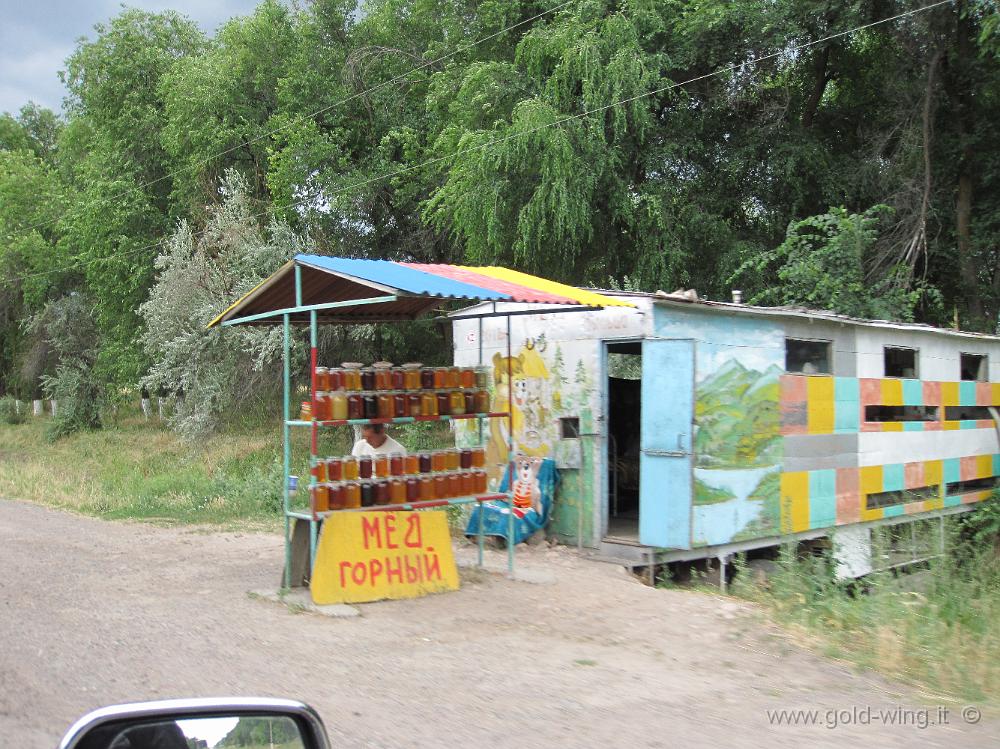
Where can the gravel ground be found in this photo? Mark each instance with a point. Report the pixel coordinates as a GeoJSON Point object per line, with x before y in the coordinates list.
{"type": "Point", "coordinates": [93, 613]}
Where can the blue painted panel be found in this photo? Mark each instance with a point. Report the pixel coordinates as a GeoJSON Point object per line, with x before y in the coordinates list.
{"type": "Point", "coordinates": [396, 276]}
{"type": "Point", "coordinates": [952, 501]}
{"type": "Point", "coordinates": [847, 405]}
{"type": "Point", "coordinates": [952, 470]}
{"type": "Point", "coordinates": [892, 511]}
{"type": "Point", "coordinates": [967, 393]}
{"type": "Point", "coordinates": [892, 477]}
{"type": "Point", "coordinates": [846, 390]}
{"type": "Point", "coordinates": [967, 425]}
{"type": "Point", "coordinates": [913, 393]}
{"type": "Point", "coordinates": [913, 426]}
{"type": "Point", "coordinates": [822, 498]}
{"type": "Point", "coordinates": [665, 468]}
{"type": "Point", "coordinates": [996, 464]}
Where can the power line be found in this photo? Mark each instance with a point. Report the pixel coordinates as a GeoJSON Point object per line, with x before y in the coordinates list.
{"type": "Point", "coordinates": [306, 117]}
{"type": "Point", "coordinates": [522, 133]}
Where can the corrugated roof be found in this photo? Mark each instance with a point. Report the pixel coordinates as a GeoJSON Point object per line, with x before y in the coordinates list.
{"type": "Point", "coordinates": [417, 288]}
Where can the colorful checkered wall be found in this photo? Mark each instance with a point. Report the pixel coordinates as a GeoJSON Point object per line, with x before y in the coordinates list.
{"type": "Point", "coordinates": [821, 499]}
{"type": "Point", "coordinates": [813, 404]}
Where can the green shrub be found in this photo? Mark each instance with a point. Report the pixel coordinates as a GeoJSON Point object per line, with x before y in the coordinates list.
{"type": "Point", "coordinates": [9, 412]}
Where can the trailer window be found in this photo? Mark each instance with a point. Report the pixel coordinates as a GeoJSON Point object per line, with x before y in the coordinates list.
{"type": "Point", "coordinates": [973, 485]}
{"type": "Point", "coordinates": [901, 413]}
{"type": "Point", "coordinates": [900, 362]}
{"type": "Point", "coordinates": [884, 499]}
{"type": "Point", "coordinates": [807, 357]}
{"type": "Point", "coordinates": [967, 413]}
{"type": "Point", "coordinates": [569, 427]}
{"type": "Point", "coordinates": [975, 367]}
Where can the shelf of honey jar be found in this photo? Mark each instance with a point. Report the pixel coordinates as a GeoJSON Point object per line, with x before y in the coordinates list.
{"type": "Point", "coordinates": [396, 465]}
{"type": "Point", "coordinates": [429, 405]}
{"type": "Point", "coordinates": [383, 376]}
{"type": "Point", "coordinates": [350, 495]}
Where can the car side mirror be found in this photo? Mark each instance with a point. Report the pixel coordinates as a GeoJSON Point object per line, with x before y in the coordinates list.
{"type": "Point", "coordinates": [227, 723]}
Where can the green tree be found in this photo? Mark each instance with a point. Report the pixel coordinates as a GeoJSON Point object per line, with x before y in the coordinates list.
{"type": "Point", "coordinates": [122, 182]}
{"type": "Point", "coordinates": [826, 262]}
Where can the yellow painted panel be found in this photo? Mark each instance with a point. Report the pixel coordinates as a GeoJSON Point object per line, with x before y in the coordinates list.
{"type": "Point", "coordinates": [870, 479]}
{"type": "Point", "coordinates": [984, 466]}
{"type": "Point", "coordinates": [951, 426]}
{"type": "Point", "coordinates": [949, 394]}
{"type": "Point", "coordinates": [996, 394]}
{"type": "Point", "coordinates": [892, 392]}
{"type": "Point", "coordinates": [933, 472]}
{"type": "Point", "coordinates": [877, 514]}
{"type": "Point", "coordinates": [819, 404]}
{"type": "Point", "coordinates": [892, 426]}
{"type": "Point", "coordinates": [794, 501]}
{"type": "Point", "coordinates": [368, 556]}
{"type": "Point", "coordinates": [550, 287]}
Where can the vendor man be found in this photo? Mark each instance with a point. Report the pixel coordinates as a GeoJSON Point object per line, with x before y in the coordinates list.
{"type": "Point", "coordinates": [374, 441]}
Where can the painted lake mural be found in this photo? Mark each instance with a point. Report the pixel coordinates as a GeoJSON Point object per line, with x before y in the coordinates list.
{"type": "Point", "coordinates": [738, 447]}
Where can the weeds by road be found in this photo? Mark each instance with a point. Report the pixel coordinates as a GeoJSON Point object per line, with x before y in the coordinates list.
{"type": "Point", "coordinates": [937, 628]}
{"type": "Point", "coordinates": [138, 469]}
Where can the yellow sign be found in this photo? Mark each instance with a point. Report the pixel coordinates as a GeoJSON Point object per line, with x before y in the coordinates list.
{"type": "Point", "coordinates": [368, 556]}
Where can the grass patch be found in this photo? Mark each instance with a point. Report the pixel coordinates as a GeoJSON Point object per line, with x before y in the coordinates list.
{"type": "Point", "coordinates": [937, 629]}
{"type": "Point", "coordinates": [138, 469]}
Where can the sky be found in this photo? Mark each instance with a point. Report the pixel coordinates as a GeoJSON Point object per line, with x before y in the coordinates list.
{"type": "Point", "coordinates": [36, 36]}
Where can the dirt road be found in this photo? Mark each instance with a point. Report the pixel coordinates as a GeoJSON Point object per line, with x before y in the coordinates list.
{"type": "Point", "coordinates": [93, 613]}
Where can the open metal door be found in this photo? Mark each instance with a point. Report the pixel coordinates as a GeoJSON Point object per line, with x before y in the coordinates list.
{"type": "Point", "coordinates": [665, 470]}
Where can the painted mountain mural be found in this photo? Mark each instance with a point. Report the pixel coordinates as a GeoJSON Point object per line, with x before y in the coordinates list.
{"type": "Point", "coordinates": [737, 418]}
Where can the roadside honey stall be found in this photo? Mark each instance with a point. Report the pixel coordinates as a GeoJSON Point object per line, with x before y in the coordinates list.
{"type": "Point", "coordinates": [311, 290]}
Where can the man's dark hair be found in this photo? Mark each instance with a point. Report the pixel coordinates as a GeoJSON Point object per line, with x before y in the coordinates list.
{"type": "Point", "coordinates": [377, 428]}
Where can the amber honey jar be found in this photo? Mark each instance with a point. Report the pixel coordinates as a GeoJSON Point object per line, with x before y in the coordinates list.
{"type": "Point", "coordinates": [412, 464]}
{"type": "Point", "coordinates": [352, 494]}
{"type": "Point", "coordinates": [428, 403]}
{"type": "Point", "coordinates": [351, 470]}
{"type": "Point", "coordinates": [320, 497]}
{"type": "Point", "coordinates": [322, 378]}
{"type": "Point", "coordinates": [482, 401]}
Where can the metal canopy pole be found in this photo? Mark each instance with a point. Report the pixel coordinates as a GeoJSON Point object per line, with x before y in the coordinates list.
{"type": "Point", "coordinates": [510, 456]}
{"type": "Point", "coordinates": [309, 308]}
{"type": "Point", "coordinates": [314, 519]}
{"type": "Point", "coordinates": [287, 378]}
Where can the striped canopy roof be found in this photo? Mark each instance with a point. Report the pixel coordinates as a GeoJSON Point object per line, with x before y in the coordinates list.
{"type": "Point", "coordinates": [352, 290]}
